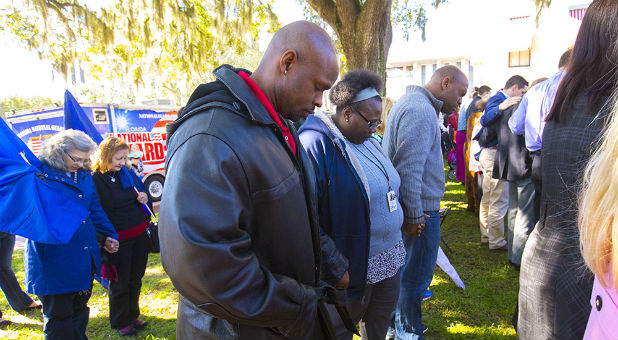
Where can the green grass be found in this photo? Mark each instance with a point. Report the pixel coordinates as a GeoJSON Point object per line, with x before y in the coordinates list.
{"type": "Point", "coordinates": [158, 303]}
{"type": "Point", "coordinates": [482, 311]}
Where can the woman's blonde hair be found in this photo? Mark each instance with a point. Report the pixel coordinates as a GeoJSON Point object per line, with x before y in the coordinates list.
{"type": "Point", "coordinates": [387, 105]}
{"type": "Point", "coordinates": [107, 149]}
{"type": "Point", "coordinates": [598, 205]}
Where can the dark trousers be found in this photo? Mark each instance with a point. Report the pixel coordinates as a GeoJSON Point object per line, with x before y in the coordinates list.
{"type": "Point", "coordinates": [15, 296]}
{"type": "Point", "coordinates": [373, 312]}
{"type": "Point", "coordinates": [65, 316]}
{"type": "Point", "coordinates": [536, 181]}
{"type": "Point", "coordinates": [130, 262]}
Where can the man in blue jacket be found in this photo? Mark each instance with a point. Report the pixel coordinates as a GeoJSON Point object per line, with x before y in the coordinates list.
{"type": "Point", "coordinates": [494, 202]}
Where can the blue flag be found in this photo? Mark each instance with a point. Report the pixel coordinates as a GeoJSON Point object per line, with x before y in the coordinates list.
{"type": "Point", "coordinates": [75, 118]}
{"type": "Point", "coordinates": [29, 206]}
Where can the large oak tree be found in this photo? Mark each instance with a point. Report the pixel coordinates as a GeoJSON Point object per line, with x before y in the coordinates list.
{"type": "Point", "coordinates": [364, 28]}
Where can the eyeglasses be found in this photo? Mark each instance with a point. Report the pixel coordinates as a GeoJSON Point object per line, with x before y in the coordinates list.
{"type": "Point", "coordinates": [371, 124]}
{"type": "Point", "coordinates": [79, 160]}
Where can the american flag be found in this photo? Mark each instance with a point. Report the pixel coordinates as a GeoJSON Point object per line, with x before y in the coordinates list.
{"type": "Point", "coordinates": [577, 13]}
{"type": "Point", "coordinates": [154, 136]}
{"type": "Point", "coordinates": [36, 144]}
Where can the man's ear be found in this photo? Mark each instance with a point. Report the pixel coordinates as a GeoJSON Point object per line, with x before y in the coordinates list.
{"type": "Point", "coordinates": [347, 112]}
{"type": "Point", "coordinates": [288, 59]}
{"type": "Point", "coordinates": [446, 82]}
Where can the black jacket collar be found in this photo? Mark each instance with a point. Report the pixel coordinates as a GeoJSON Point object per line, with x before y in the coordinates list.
{"type": "Point", "coordinates": [239, 89]}
{"type": "Point", "coordinates": [229, 91]}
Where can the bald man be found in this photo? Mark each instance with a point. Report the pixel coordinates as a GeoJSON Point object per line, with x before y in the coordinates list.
{"type": "Point", "coordinates": [412, 141]}
{"type": "Point", "coordinates": [238, 221]}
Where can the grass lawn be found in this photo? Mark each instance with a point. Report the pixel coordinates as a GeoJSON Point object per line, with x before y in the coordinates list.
{"type": "Point", "coordinates": [482, 311]}
{"type": "Point", "coordinates": [158, 303]}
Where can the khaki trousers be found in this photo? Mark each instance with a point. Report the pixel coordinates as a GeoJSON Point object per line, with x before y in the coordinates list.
{"type": "Point", "coordinates": [494, 203]}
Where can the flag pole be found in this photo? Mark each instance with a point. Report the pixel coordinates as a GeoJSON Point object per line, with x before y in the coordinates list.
{"type": "Point", "coordinates": [146, 205]}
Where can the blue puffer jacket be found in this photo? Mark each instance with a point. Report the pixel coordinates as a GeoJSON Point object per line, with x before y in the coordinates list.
{"type": "Point", "coordinates": [64, 268]}
{"type": "Point", "coordinates": [343, 204]}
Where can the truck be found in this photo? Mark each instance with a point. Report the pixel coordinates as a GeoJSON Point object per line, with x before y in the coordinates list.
{"type": "Point", "coordinates": [141, 125]}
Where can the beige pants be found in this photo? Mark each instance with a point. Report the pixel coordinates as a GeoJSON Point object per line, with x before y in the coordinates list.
{"type": "Point", "coordinates": [494, 204]}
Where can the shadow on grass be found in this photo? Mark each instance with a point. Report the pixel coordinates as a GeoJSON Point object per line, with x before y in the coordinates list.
{"type": "Point", "coordinates": [22, 326]}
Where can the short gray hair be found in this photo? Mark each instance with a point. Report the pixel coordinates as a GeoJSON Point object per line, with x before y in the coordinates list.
{"type": "Point", "coordinates": [64, 142]}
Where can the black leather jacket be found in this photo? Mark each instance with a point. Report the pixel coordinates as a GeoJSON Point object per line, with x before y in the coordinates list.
{"type": "Point", "coordinates": [238, 222]}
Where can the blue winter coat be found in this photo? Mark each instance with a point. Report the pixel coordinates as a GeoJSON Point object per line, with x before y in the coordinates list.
{"type": "Point", "coordinates": [64, 268]}
{"type": "Point", "coordinates": [343, 205]}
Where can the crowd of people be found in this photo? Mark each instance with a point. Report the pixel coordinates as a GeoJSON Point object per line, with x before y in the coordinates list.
{"type": "Point", "coordinates": [334, 230]}
{"type": "Point", "coordinates": [540, 159]}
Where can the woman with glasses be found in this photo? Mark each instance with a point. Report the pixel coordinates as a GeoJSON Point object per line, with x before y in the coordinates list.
{"type": "Point", "coordinates": [358, 204]}
{"type": "Point", "coordinates": [122, 195]}
{"type": "Point", "coordinates": [61, 274]}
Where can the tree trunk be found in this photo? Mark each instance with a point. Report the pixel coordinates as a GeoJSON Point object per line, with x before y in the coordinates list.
{"type": "Point", "coordinates": [365, 31]}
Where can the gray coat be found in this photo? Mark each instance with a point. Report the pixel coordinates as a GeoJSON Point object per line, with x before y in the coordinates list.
{"type": "Point", "coordinates": [238, 222]}
{"type": "Point", "coordinates": [555, 284]}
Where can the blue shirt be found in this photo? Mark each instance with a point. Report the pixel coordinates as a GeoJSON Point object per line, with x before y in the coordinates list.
{"type": "Point", "coordinates": [463, 117]}
{"type": "Point", "coordinates": [529, 118]}
{"type": "Point", "coordinates": [492, 112]}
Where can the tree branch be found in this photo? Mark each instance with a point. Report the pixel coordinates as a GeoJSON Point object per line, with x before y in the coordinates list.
{"type": "Point", "coordinates": [326, 9]}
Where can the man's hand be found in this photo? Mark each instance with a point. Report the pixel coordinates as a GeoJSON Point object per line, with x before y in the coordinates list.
{"type": "Point", "coordinates": [344, 282]}
{"type": "Point", "coordinates": [508, 103]}
{"type": "Point", "coordinates": [142, 198]}
{"type": "Point", "coordinates": [111, 245]}
{"type": "Point", "coordinates": [414, 229]}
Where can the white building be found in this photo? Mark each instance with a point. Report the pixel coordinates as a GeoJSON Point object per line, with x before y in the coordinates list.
{"type": "Point", "coordinates": [489, 40]}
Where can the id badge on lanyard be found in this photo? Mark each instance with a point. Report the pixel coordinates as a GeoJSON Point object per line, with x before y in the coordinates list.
{"type": "Point", "coordinates": [391, 197]}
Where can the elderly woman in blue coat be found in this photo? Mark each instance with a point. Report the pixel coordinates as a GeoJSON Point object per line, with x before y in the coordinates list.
{"type": "Point", "coordinates": [358, 205]}
{"type": "Point", "coordinates": [61, 274]}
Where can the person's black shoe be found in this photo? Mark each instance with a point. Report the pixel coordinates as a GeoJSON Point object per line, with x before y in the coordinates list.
{"type": "Point", "coordinates": [139, 324]}
{"type": "Point", "coordinates": [127, 331]}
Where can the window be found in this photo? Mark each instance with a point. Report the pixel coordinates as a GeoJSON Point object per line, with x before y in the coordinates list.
{"type": "Point", "coordinates": [470, 76]}
{"type": "Point", "coordinates": [519, 58]}
{"type": "Point", "coordinates": [423, 74]}
{"type": "Point", "coordinates": [100, 116]}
